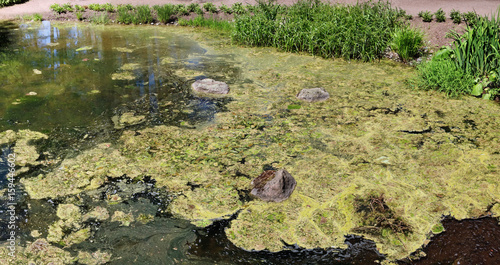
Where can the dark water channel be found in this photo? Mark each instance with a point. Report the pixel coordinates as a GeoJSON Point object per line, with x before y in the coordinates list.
{"type": "Point", "coordinates": [69, 81]}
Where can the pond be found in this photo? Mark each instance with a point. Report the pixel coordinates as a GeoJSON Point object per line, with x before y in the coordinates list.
{"type": "Point", "coordinates": [118, 161]}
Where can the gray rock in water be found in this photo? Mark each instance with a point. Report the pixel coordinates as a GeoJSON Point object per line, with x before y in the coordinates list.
{"type": "Point", "coordinates": [313, 94]}
{"type": "Point", "coordinates": [273, 186]}
{"type": "Point", "coordinates": [210, 86]}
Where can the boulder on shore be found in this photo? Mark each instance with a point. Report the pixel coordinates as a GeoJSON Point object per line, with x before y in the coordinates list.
{"type": "Point", "coordinates": [313, 94]}
{"type": "Point", "coordinates": [273, 186]}
{"type": "Point", "coordinates": [210, 86]}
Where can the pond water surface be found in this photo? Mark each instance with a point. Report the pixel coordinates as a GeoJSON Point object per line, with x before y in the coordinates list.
{"type": "Point", "coordinates": [133, 168]}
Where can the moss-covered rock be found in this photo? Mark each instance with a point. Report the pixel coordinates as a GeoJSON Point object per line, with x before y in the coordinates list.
{"type": "Point", "coordinates": [38, 252]}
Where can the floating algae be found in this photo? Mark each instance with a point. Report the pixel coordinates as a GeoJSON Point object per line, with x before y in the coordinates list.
{"type": "Point", "coordinates": [375, 159]}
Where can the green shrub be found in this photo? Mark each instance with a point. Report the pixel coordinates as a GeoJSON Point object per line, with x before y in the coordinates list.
{"type": "Point", "coordinates": [440, 15]}
{"type": "Point", "coordinates": [407, 42]}
{"type": "Point", "coordinates": [238, 8]}
{"type": "Point", "coordinates": [10, 2]}
{"type": "Point", "coordinates": [210, 7]}
{"type": "Point", "coordinates": [470, 17]}
{"type": "Point", "coordinates": [100, 19]}
{"type": "Point", "coordinates": [181, 10]}
{"type": "Point", "coordinates": [108, 7]}
{"type": "Point", "coordinates": [57, 8]}
{"type": "Point", "coordinates": [37, 17]}
{"type": "Point", "coordinates": [361, 31]}
{"type": "Point", "coordinates": [96, 7]}
{"type": "Point", "coordinates": [194, 7]}
{"type": "Point", "coordinates": [225, 9]}
{"type": "Point", "coordinates": [456, 16]}
{"type": "Point", "coordinates": [251, 8]}
{"type": "Point", "coordinates": [79, 8]}
{"type": "Point", "coordinates": [165, 12]}
{"type": "Point", "coordinates": [426, 16]}
{"type": "Point", "coordinates": [68, 7]}
{"type": "Point", "coordinates": [213, 23]}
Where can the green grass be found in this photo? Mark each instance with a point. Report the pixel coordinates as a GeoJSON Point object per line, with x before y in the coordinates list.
{"type": "Point", "coordinates": [444, 76]}
{"type": "Point", "coordinates": [68, 7]}
{"type": "Point", "coordinates": [407, 42]}
{"type": "Point", "coordinates": [213, 23]}
{"type": "Point", "coordinates": [109, 8]}
{"type": "Point", "coordinates": [142, 15]}
{"type": "Point", "coordinates": [238, 8]}
{"type": "Point", "coordinates": [164, 12]}
{"type": "Point", "coordinates": [79, 15]}
{"type": "Point", "coordinates": [181, 10]}
{"type": "Point", "coordinates": [225, 9]}
{"type": "Point", "coordinates": [100, 19]}
{"type": "Point", "coordinates": [361, 31]}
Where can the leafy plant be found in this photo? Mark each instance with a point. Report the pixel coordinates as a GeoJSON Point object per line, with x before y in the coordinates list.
{"type": "Point", "coordinates": [10, 2]}
{"type": "Point", "coordinates": [210, 7]}
{"type": "Point", "coordinates": [440, 15]}
{"type": "Point", "coordinates": [68, 7]}
{"type": "Point", "coordinates": [426, 16]}
{"type": "Point", "coordinates": [37, 17]}
{"type": "Point", "coordinates": [407, 42]}
{"type": "Point", "coordinates": [456, 16]}
{"type": "Point", "coordinates": [181, 10]}
{"type": "Point", "coordinates": [470, 17]}
{"type": "Point", "coordinates": [225, 9]}
{"type": "Point", "coordinates": [79, 15]}
{"type": "Point", "coordinates": [79, 8]}
{"type": "Point", "coordinates": [165, 12]}
{"type": "Point", "coordinates": [194, 7]}
{"type": "Point", "coordinates": [57, 8]}
{"type": "Point", "coordinates": [108, 7]}
{"type": "Point", "coordinates": [96, 7]}
{"type": "Point", "coordinates": [238, 8]}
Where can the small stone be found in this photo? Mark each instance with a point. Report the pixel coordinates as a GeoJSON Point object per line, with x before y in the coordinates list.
{"type": "Point", "coordinates": [313, 94]}
{"type": "Point", "coordinates": [210, 86]}
{"type": "Point", "coordinates": [31, 93]}
{"type": "Point", "coordinates": [37, 72]}
{"type": "Point", "coordinates": [273, 186]}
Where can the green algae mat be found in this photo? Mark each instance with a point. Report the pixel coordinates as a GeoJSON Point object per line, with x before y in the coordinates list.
{"type": "Point", "coordinates": [376, 159]}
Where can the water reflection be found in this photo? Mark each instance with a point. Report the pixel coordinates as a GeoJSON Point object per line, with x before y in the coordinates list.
{"type": "Point", "coordinates": [81, 73]}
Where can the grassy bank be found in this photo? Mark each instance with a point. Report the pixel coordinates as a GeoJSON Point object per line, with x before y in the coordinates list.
{"type": "Point", "coordinates": [471, 66]}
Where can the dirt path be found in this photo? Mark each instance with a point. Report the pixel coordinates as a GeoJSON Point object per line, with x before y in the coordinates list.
{"type": "Point", "coordinates": [483, 7]}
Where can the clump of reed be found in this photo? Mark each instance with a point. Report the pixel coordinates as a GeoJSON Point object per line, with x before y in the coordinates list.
{"type": "Point", "coordinates": [362, 31]}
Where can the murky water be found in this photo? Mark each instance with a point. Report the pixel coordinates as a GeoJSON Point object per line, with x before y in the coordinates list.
{"type": "Point", "coordinates": [132, 160]}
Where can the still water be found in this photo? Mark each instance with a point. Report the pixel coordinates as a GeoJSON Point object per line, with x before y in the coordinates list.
{"type": "Point", "coordinates": [73, 81]}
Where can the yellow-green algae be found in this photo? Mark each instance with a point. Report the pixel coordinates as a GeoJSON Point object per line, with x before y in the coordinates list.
{"type": "Point", "coordinates": [38, 252]}
{"type": "Point", "coordinates": [427, 155]}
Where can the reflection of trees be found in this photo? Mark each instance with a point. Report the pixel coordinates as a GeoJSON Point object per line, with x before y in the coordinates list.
{"type": "Point", "coordinates": [6, 34]}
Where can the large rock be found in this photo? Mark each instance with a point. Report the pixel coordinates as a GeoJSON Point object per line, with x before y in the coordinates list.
{"type": "Point", "coordinates": [210, 86]}
{"type": "Point", "coordinates": [313, 94]}
{"type": "Point", "coordinates": [273, 186]}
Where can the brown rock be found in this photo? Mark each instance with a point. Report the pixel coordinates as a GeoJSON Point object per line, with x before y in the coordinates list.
{"type": "Point", "coordinates": [273, 186]}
